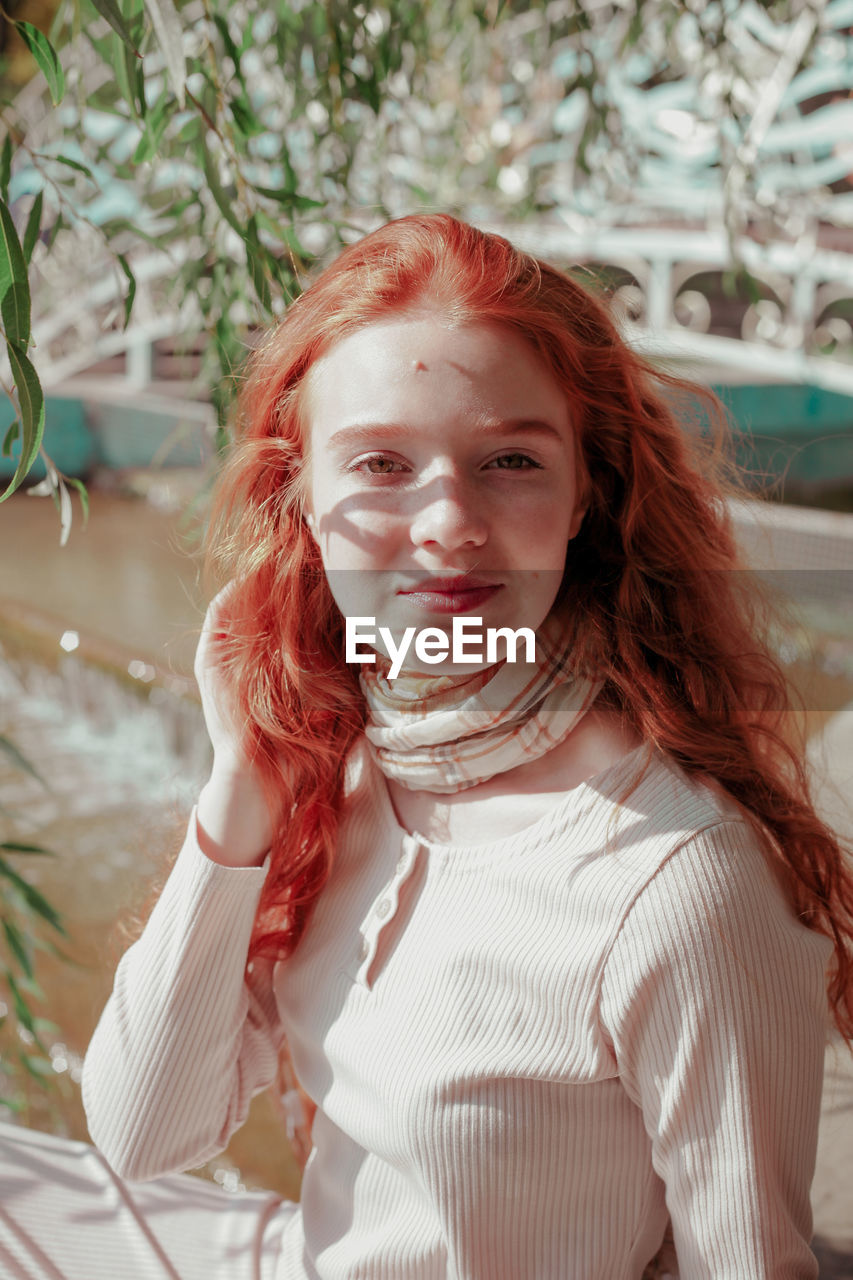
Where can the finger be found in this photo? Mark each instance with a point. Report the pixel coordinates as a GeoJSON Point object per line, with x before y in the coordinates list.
{"type": "Point", "coordinates": [217, 610]}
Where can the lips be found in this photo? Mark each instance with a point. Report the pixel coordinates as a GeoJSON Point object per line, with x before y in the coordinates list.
{"type": "Point", "coordinates": [461, 582]}
{"type": "Point", "coordinates": [451, 595]}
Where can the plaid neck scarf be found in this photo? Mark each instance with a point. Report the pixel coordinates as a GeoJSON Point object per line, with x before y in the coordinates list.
{"type": "Point", "coordinates": [448, 733]}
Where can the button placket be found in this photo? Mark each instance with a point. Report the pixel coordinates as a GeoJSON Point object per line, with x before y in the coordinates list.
{"type": "Point", "coordinates": [385, 908]}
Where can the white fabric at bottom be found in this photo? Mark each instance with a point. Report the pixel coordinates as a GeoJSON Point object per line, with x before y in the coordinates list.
{"type": "Point", "coordinates": [64, 1215]}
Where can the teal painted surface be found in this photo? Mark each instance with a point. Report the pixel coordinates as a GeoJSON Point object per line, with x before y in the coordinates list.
{"type": "Point", "coordinates": [800, 432]}
{"type": "Point", "coordinates": [67, 439]}
{"type": "Point", "coordinates": [132, 435]}
{"type": "Point", "coordinates": [117, 436]}
{"type": "Point", "coordinates": [787, 410]}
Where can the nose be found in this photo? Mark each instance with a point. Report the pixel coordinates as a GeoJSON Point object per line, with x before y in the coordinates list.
{"type": "Point", "coordinates": [449, 518]}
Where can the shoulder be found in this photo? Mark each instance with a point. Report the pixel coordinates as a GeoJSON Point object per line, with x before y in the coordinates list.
{"type": "Point", "coordinates": [699, 879]}
{"type": "Point", "coordinates": [717, 876]}
{"type": "Point", "coordinates": [703, 856]}
{"type": "Point", "coordinates": [652, 821]}
{"type": "Point", "coordinates": [711, 937]}
{"type": "Point", "coordinates": [696, 850]}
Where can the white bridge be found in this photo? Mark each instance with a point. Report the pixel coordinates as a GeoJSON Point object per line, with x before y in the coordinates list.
{"type": "Point", "coordinates": [664, 284]}
{"type": "Point", "coordinates": [718, 151]}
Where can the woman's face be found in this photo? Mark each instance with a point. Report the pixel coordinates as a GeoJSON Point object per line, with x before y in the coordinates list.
{"type": "Point", "coordinates": [441, 478]}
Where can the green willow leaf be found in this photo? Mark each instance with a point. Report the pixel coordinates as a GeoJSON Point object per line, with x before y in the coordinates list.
{"type": "Point", "coordinates": [32, 988]}
{"type": "Point", "coordinates": [18, 759]}
{"type": "Point", "coordinates": [5, 167]}
{"type": "Point", "coordinates": [49, 948]}
{"type": "Point", "coordinates": [14, 286]}
{"type": "Point", "coordinates": [128, 73]}
{"type": "Point", "coordinates": [15, 846]}
{"type": "Point", "coordinates": [84, 496]}
{"type": "Point", "coordinates": [131, 287]}
{"type": "Point", "coordinates": [115, 225]}
{"type": "Point", "coordinates": [62, 500]}
{"type": "Point", "coordinates": [170, 36]}
{"type": "Point", "coordinates": [223, 202]}
{"type": "Point", "coordinates": [33, 227]}
{"type": "Point", "coordinates": [295, 245]}
{"type": "Point", "coordinates": [46, 59]}
{"type": "Point", "coordinates": [291, 178]}
{"type": "Point", "coordinates": [35, 900]}
{"type": "Point", "coordinates": [134, 66]}
{"type": "Point", "coordinates": [59, 225]}
{"type": "Point", "coordinates": [17, 945]}
{"type": "Point", "coordinates": [190, 131]}
{"type": "Point", "coordinates": [44, 1026]}
{"type": "Point", "coordinates": [258, 265]}
{"type": "Point", "coordinates": [31, 402]}
{"type": "Point", "coordinates": [290, 199]}
{"type": "Point", "coordinates": [230, 47]}
{"type": "Point", "coordinates": [10, 438]}
{"type": "Point", "coordinates": [74, 164]}
{"type": "Point", "coordinates": [271, 225]}
{"type": "Point", "coordinates": [22, 1011]}
{"type": "Point", "coordinates": [155, 126]}
{"type": "Point", "coordinates": [38, 1068]}
{"type": "Point", "coordinates": [635, 29]}
{"type": "Point", "coordinates": [109, 10]}
{"type": "Point", "coordinates": [244, 117]}
{"type": "Point", "coordinates": [227, 343]}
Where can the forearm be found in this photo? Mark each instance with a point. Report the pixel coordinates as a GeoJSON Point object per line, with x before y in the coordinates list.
{"type": "Point", "coordinates": [183, 1042]}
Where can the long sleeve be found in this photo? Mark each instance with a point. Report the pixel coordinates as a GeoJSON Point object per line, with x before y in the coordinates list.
{"type": "Point", "coordinates": [185, 1040]}
{"type": "Point", "coordinates": [714, 997]}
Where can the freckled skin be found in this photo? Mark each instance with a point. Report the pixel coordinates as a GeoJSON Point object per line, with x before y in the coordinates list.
{"type": "Point", "coordinates": [438, 450]}
{"type": "Point", "coordinates": [428, 497]}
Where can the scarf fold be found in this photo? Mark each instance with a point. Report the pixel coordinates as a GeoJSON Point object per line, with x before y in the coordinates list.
{"type": "Point", "coordinates": [448, 733]}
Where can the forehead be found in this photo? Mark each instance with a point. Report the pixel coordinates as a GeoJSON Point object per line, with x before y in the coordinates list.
{"type": "Point", "coordinates": [419, 363]}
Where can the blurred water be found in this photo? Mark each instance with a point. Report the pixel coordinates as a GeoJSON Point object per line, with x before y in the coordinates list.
{"type": "Point", "coordinates": [81, 722]}
{"type": "Point", "coordinates": [123, 766]}
{"type": "Point", "coordinates": [118, 765]}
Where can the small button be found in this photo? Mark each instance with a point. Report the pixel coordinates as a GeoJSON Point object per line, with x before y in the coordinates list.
{"type": "Point", "coordinates": [364, 949]}
{"type": "Point", "coordinates": [383, 908]}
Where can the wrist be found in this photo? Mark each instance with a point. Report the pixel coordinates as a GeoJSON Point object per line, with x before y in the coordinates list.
{"type": "Point", "coordinates": [234, 823]}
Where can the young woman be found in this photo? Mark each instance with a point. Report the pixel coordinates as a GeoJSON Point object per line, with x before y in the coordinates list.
{"type": "Point", "coordinates": [551, 942]}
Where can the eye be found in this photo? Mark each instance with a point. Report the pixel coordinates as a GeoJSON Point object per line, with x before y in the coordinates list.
{"type": "Point", "coordinates": [377, 464]}
{"type": "Point", "coordinates": [513, 462]}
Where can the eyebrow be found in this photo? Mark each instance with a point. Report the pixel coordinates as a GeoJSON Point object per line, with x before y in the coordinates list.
{"type": "Point", "coordinates": [367, 432]}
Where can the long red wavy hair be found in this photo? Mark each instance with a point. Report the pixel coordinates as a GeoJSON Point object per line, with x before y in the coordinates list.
{"type": "Point", "coordinates": [662, 612]}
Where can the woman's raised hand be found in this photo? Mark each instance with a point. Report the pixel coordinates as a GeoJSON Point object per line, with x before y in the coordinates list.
{"type": "Point", "coordinates": [235, 821]}
{"type": "Point", "coordinates": [220, 713]}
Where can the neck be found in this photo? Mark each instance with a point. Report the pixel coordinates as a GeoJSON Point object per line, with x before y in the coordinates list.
{"type": "Point", "coordinates": [517, 798]}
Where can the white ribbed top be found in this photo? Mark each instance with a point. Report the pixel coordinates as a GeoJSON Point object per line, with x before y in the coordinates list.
{"type": "Point", "coordinates": [526, 1054]}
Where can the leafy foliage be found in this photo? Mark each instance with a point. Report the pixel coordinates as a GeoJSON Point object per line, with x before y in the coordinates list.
{"type": "Point", "coordinates": [46, 59]}
{"type": "Point", "coordinates": [206, 154]}
{"type": "Point", "coordinates": [28, 923]}
{"type": "Point", "coordinates": [228, 138]}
